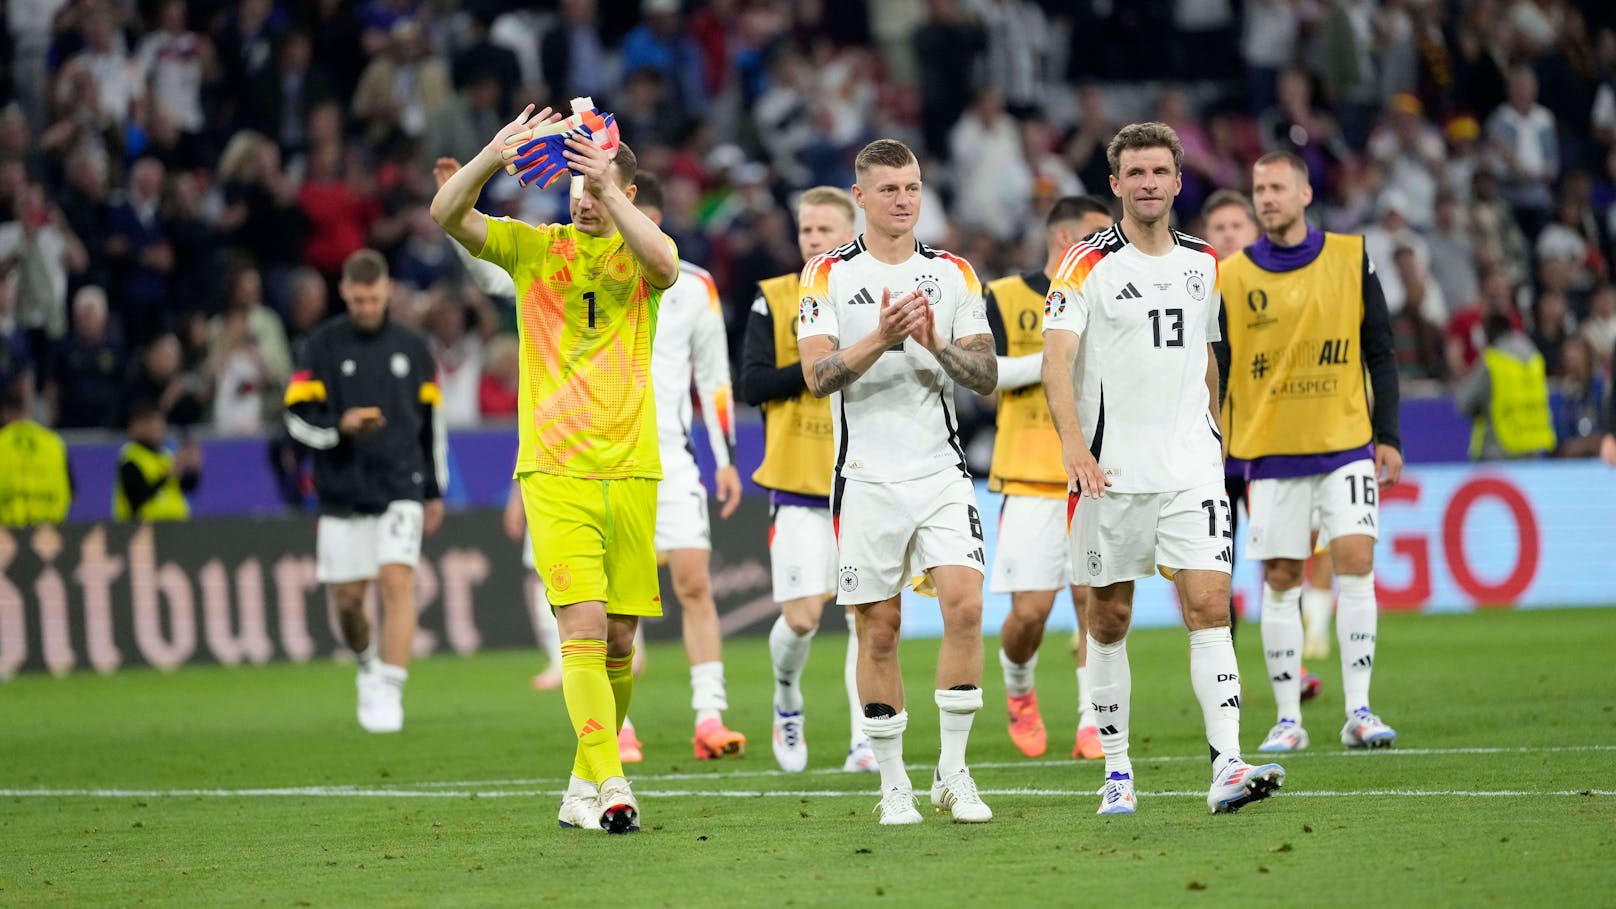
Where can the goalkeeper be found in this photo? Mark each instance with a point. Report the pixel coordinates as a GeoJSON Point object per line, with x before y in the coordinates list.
{"type": "Point", "coordinates": [587, 463]}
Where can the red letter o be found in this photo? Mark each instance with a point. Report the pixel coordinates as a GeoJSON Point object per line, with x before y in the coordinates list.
{"type": "Point", "coordinates": [1509, 590]}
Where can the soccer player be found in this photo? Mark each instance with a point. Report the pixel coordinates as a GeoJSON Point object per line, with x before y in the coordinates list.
{"type": "Point", "coordinates": [1231, 226]}
{"type": "Point", "coordinates": [365, 398]}
{"type": "Point", "coordinates": [798, 460]}
{"type": "Point", "coordinates": [587, 459]}
{"type": "Point", "coordinates": [886, 327]}
{"type": "Point", "coordinates": [691, 343]}
{"type": "Point", "coordinates": [1308, 319]}
{"type": "Point", "coordinates": [1139, 440]}
{"type": "Point", "coordinates": [1033, 561]}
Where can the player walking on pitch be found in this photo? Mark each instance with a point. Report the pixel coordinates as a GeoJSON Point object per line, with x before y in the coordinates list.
{"type": "Point", "coordinates": [1308, 319]}
{"type": "Point", "coordinates": [587, 459]}
{"type": "Point", "coordinates": [798, 460]}
{"type": "Point", "coordinates": [1143, 454]}
{"type": "Point", "coordinates": [902, 501]}
{"type": "Point", "coordinates": [1033, 559]}
{"type": "Point", "coordinates": [365, 398]}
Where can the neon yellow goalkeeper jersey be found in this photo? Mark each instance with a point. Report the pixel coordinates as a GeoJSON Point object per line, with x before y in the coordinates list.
{"type": "Point", "coordinates": [587, 316]}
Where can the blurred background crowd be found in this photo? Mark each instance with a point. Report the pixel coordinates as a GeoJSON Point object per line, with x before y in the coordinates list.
{"type": "Point", "coordinates": [180, 180]}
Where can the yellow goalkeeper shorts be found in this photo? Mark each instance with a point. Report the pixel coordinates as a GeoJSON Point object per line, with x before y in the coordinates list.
{"type": "Point", "coordinates": [595, 540]}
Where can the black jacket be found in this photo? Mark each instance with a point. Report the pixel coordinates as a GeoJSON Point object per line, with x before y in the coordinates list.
{"type": "Point", "coordinates": [342, 367]}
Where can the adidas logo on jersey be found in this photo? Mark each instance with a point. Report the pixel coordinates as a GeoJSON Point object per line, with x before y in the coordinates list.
{"type": "Point", "coordinates": [1367, 520]}
{"type": "Point", "coordinates": [1130, 293]}
{"type": "Point", "coordinates": [862, 298]}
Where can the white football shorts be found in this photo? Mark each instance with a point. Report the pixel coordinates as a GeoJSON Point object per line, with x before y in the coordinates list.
{"type": "Point", "coordinates": [889, 533]}
{"type": "Point", "coordinates": [1033, 552]}
{"type": "Point", "coordinates": [802, 552]}
{"type": "Point", "coordinates": [1285, 512]}
{"type": "Point", "coordinates": [681, 518]}
{"type": "Point", "coordinates": [353, 548]}
{"type": "Point", "coordinates": [1127, 536]}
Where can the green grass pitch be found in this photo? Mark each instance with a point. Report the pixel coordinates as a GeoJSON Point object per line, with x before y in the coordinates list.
{"type": "Point", "coordinates": [255, 787]}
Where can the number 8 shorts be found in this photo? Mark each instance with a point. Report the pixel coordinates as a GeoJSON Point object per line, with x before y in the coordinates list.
{"type": "Point", "coordinates": [889, 533]}
{"type": "Point", "coordinates": [1127, 536]}
{"type": "Point", "coordinates": [1284, 512]}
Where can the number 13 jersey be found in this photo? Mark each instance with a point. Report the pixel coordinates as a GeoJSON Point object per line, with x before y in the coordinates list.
{"type": "Point", "coordinates": [1145, 322]}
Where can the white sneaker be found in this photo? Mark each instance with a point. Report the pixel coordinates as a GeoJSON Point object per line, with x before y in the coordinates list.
{"type": "Point", "coordinates": [580, 805]}
{"type": "Point", "coordinates": [790, 750]}
{"type": "Point", "coordinates": [1287, 735]}
{"type": "Point", "coordinates": [1116, 796]}
{"type": "Point", "coordinates": [1365, 730]}
{"type": "Point", "coordinates": [957, 795]}
{"type": "Point", "coordinates": [381, 698]}
{"type": "Point", "coordinates": [619, 811]}
{"type": "Point", "coordinates": [861, 759]}
{"type": "Point", "coordinates": [1239, 784]}
{"type": "Point", "coordinates": [898, 807]}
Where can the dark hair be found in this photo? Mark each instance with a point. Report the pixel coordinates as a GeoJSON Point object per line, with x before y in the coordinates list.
{"type": "Point", "coordinates": [1497, 326]}
{"type": "Point", "coordinates": [649, 194]}
{"type": "Point", "coordinates": [1284, 157]}
{"type": "Point", "coordinates": [1140, 136]}
{"type": "Point", "coordinates": [364, 266]}
{"type": "Point", "coordinates": [628, 164]}
{"type": "Point", "coordinates": [1073, 208]}
{"type": "Point", "coordinates": [1224, 198]}
{"type": "Point", "coordinates": [883, 153]}
{"type": "Point", "coordinates": [143, 409]}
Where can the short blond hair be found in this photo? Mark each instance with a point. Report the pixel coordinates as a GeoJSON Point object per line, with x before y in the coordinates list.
{"type": "Point", "coordinates": [1140, 136]}
{"type": "Point", "coordinates": [830, 196]}
{"type": "Point", "coordinates": [883, 153]}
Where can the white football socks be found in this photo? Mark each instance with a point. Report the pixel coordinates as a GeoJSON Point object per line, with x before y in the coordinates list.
{"type": "Point", "coordinates": [1316, 605]}
{"type": "Point", "coordinates": [1085, 706]}
{"type": "Point", "coordinates": [789, 652]}
{"type": "Point", "coordinates": [1282, 648]}
{"type": "Point", "coordinates": [1215, 676]}
{"type": "Point", "coordinates": [955, 711]}
{"type": "Point", "coordinates": [1355, 624]}
{"type": "Point", "coordinates": [855, 707]}
{"type": "Point", "coordinates": [886, 740]}
{"type": "Point", "coordinates": [1113, 690]}
{"type": "Point", "coordinates": [707, 696]}
{"type": "Point", "coordinates": [1018, 677]}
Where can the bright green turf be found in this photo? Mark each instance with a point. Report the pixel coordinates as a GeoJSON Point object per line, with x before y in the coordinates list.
{"type": "Point", "coordinates": [1514, 679]}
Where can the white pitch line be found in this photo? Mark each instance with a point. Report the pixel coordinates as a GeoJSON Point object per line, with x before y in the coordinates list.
{"type": "Point", "coordinates": [1055, 763]}
{"type": "Point", "coordinates": [351, 792]}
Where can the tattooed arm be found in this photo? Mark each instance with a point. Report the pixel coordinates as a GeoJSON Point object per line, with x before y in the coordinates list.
{"type": "Point", "coordinates": [828, 369]}
{"type": "Point", "coordinates": [971, 362]}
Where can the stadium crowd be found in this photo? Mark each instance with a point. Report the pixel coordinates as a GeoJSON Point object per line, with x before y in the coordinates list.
{"type": "Point", "coordinates": [180, 180]}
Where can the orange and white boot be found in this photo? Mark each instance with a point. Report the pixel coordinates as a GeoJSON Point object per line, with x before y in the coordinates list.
{"type": "Point", "coordinates": [1027, 724]}
{"type": "Point", "coordinates": [714, 740]}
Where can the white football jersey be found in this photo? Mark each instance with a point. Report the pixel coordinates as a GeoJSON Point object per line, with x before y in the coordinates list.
{"type": "Point", "coordinates": [690, 343]}
{"type": "Point", "coordinates": [1145, 322]}
{"type": "Point", "coordinates": [895, 422]}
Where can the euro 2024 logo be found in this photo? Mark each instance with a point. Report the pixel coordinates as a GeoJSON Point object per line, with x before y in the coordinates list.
{"type": "Point", "coordinates": [808, 312]}
{"type": "Point", "coordinates": [1054, 305]}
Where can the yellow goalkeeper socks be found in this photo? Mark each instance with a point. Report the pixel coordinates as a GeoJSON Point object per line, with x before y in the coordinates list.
{"type": "Point", "coordinates": [620, 672]}
{"type": "Point", "coordinates": [588, 694]}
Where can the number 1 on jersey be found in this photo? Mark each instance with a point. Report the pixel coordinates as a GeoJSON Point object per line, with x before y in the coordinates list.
{"type": "Point", "coordinates": [589, 297]}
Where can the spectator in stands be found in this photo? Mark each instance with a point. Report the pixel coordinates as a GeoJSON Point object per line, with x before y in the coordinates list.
{"type": "Point", "coordinates": [41, 246]}
{"type": "Point", "coordinates": [1552, 325]}
{"type": "Point", "coordinates": [946, 49]}
{"type": "Point", "coordinates": [16, 362]}
{"type": "Point", "coordinates": [481, 59]}
{"type": "Point", "coordinates": [1383, 240]}
{"type": "Point", "coordinates": [1453, 251]}
{"type": "Point", "coordinates": [1499, 238]}
{"type": "Point", "coordinates": [1017, 53]}
{"type": "Point", "coordinates": [1573, 238]}
{"type": "Point", "coordinates": [1579, 418]}
{"type": "Point", "coordinates": [142, 257]}
{"type": "Point", "coordinates": [1523, 136]}
{"type": "Point", "coordinates": [36, 483]}
{"type": "Point", "coordinates": [658, 44]}
{"type": "Point", "coordinates": [401, 87]}
{"type": "Point", "coordinates": [152, 480]}
{"type": "Point", "coordinates": [1600, 326]}
{"type": "Point", "coordinates": [306, 310]}
{"type": "Point", "coordinates": [497, 392]}
{"type": "Point", "coordinates": [245, 44]}
{"type": "Point", "coordinates": [424, 259]}
{"type": "Point", "coordinates": [1416, 337]}
{"type": "Point", "coordinates": [456, 129]}
{"type": "Point", "coordinates": [105, 62]}
{"type": "Point", "coordinates": [1294, 124]}
{"type": "Point", "coordinates": [573, 55]}
{"type": "Point", "coordinates": [200, 264]}
{"type": "Point", "coordinates": [83, 203]}
{"type": "Point", "coordinates": [249, 359]}
{"type": "Point", "coordinates": [1467, 328]}
{"type": "Point", "coordinates": [1268, 46]}
{"type": "Point", "coordinates": [993, 184]}
{"type": "Point", "coordinates": [303, 85]}
{"type": "Point", "coordinates": [1463, 158]}
{"type": "Point", "coordinates": [1410, 151]}
{"type": "Point", "coordinates": [88, 374]}
{"type": "Point", "coordinates": [337, 210]}
{"type": "Point", "coordinates": [261, 218]}
{"type": "Point", "coordinates": [175, 63]}
{"type": "Point", "coordinates": [162, 379]}
{"type": "Point", "coordinates": [457, 334]}
{"type": "Point", "coordinates": [1507, 397]}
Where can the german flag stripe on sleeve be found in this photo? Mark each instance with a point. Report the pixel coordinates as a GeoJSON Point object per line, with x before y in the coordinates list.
{"type": "Point", "coordinates": [303, 388]}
